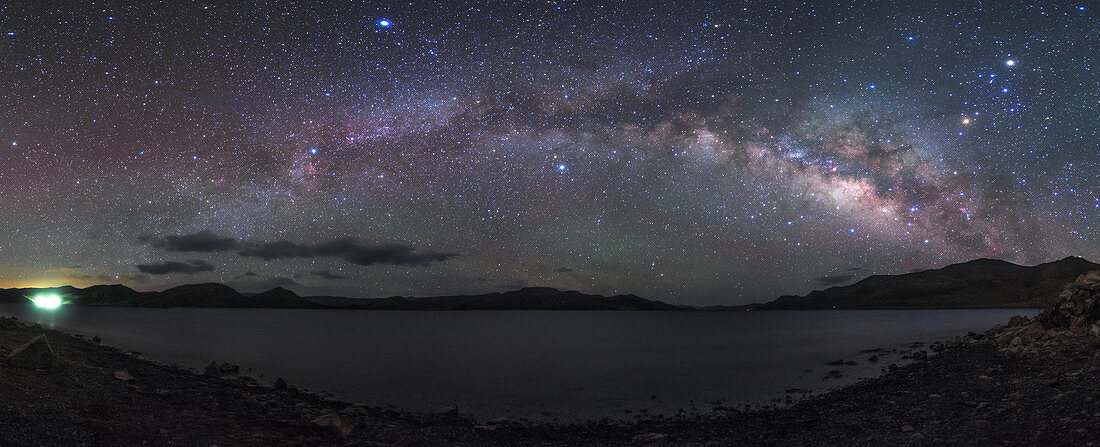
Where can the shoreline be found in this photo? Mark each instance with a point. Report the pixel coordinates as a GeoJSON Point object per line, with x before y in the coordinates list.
{"type": "Point", "coordinates": [761, 371]}
{"type": "Point", "coordinates": [84, 399]}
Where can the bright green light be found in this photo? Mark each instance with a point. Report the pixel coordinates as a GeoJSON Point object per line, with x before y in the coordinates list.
{"type": "Point", "coordinates": [47, 302]}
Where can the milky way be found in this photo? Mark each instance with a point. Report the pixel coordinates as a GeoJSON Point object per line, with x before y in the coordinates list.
{"type": "Point", "coordinates": [693, 152]}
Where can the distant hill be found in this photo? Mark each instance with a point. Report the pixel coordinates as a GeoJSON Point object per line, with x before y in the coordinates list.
{"type": "Point", "coordinates": [194, 295]}
{"type": "Point", "coordinates": [528, 298]}
{"type": "Point", "coordinates": [334, 301]}
{"type": "Point", "coordinates": [104, 295]}
{"type": "Point", "coordinates": [21, 295]}
{"type": "Point", "coordinates": [982, 283]}
{"type": "Point", "coordinates": [191, 295]}
{"type": "Point", "coordinates": [220, 295]}
{"type": "Point", "coordinates": [975, 284]}
{"type": "Point", "coordinates": [277, 297]}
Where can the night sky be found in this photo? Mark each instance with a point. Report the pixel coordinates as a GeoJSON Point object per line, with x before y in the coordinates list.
{"type": "Point", "coordinates": [696, 152]}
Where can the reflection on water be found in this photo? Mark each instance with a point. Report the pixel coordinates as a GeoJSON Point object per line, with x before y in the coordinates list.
{"type": "Point", "coordinates": [536, 364]}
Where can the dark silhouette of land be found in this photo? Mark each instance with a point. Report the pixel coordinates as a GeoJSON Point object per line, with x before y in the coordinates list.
{"type": "Point", "coordinates": [982, 283]}
{"type": "Point", "coordinates": [222, 296]}
{"type": "Point", "coordinates": [1029, 382]}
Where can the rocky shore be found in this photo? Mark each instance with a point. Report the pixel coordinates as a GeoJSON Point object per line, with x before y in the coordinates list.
{"type": "Point", "coordinates": [1029, 382]}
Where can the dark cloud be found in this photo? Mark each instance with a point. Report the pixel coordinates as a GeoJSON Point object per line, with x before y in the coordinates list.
{"type": "Point", "coordinates": [832, 280]}
{"type": "Point", "coordinates": [564, 270]}
{"type": "Point", "coordinates": [203, 242]}
{"type": "Point", "coordinates": [855, 269]}
{"type": "Point", "coordinates": [164, 268]}
{"type": "Point", "coordinates": [327, 274]}
{"type": "Point", "coordinates": [246, 275]}
{"type": "Point", "coordinates": [348, 249]}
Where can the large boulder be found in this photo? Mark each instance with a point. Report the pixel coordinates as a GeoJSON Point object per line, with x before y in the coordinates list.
{"type": "Point", "coordinates": [1071, 325]}
{"type": "Point", "coordinates": [35, 354]}
{"type": "Point", "coordinates": [1078, 306]}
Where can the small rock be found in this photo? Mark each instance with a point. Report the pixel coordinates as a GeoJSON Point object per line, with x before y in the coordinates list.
{"type": "Point", "coordinates": [124, 375]}
{"type": "Point", "coordinates": [35, 354]}
{"type": "Point", "coordinates": [486, 427]}
{"type": "Point", "coordinates": [906, 428]}
{"type": "Point", "coordinates": [96, 339]}
{"type": "Point", "coordinates": [280, 384]}
{"type": "Point", "coordinates": [645, 437]}
{"type": "Point", "coordinates": [228, 369]}
{"type": "Point", "coordinates": [920, 355]}
{"type": "Point", "coordinates": [338, 423]}
{"type": "Point", "coordinates": [212, 370]}
{"type": "Point", "coordinates": [1033, 331]}
{"type": "Point", "coordinates": [9, 324]}
{"type": "Point", "coordinates": [873, 359]}
{"type": "Point", "coordinates": [162, 392]}
{"type": "Point", "coordinates": [938, 347]}
{"type": "Point", "coordinates": [356, 411]}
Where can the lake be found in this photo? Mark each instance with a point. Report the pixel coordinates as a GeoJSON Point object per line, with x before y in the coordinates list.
{"type": "Point", "coordinates": [544, 365]}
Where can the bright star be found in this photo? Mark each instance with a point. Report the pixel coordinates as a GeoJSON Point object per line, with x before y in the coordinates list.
{"type": "Point", "coordinates": [561, 167]}
{"type": "Point", "coordinates": [313, 150]}
{"type": "Point", "coordinates": [1010, 62]}
{"type": "Point", "coordinates": [384, 23]}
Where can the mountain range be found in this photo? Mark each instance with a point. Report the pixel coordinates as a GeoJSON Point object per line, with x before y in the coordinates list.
{"type": "Point", "coordinates": [190, 295]}
{"type": "Point", "coordinates": [974, 284]}
{"type": "Point", "coordinates": [981, 283]}
{"type": "Point", "coordinates": [528, 298]}
{"type": "Point", "coordinates": [220, 295]}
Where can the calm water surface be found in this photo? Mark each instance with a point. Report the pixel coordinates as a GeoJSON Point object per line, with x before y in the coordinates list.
{"type": "Point", "coordinates": [536, 364]}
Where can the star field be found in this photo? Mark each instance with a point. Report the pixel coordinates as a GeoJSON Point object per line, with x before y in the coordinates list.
{"type": "Point", "coordinates": [693, 152]}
